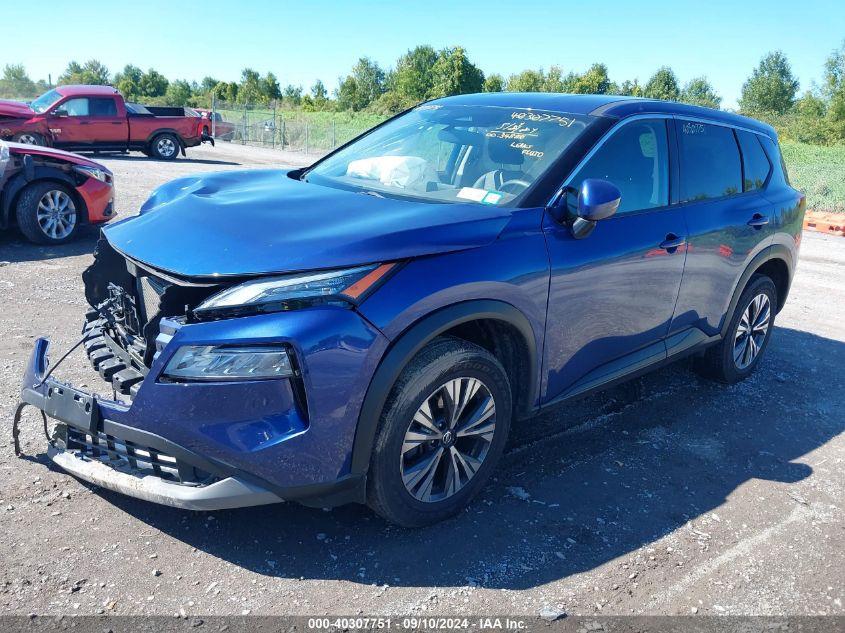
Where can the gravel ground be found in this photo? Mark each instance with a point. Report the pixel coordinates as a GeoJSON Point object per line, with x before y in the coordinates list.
{"type": "Point", "coordinates": [669, 495]}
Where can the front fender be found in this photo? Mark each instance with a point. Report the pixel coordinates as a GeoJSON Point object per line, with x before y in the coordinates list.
{"type": "Point", "coordinates": [406, 346]}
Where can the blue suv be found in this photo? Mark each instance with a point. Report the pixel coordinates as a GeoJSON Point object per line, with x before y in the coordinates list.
{"type": "Point", "coordinates": [368, 329]}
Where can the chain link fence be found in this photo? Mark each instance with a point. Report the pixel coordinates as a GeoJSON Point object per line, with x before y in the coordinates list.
{"type": "Point", "coordinates": [269, 125]}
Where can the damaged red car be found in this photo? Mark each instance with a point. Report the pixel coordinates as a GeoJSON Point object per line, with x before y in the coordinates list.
{"type": "Point", "coordinates": [96, 118]}
{"type": "Point", "coordinates": [48, 193]}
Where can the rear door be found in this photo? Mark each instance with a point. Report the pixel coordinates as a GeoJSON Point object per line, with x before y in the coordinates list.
{"type": "Point", "coordinates": [107, 125]}
{"type": "Point", "coordinates": [612, 294]}
{"type": "Point", "coordinates": [723, 172]}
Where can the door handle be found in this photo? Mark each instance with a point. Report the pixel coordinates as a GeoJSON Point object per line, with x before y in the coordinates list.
{"type": "Point", "coordinates": [672, 242]}
{"type": "Point", "coordinates": [758, 220]}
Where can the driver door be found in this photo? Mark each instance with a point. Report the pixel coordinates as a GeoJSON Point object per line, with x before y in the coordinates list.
{"type": "Point", "coordinates": [68, 123]}
{"type": "Point", "coordinates": [612, 294]}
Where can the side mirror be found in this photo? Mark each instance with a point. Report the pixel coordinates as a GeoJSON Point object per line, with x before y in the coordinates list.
{"type": "Point", "coordinates": [597, 199]}
{"type": "Point", "coordinates": [59, 112]}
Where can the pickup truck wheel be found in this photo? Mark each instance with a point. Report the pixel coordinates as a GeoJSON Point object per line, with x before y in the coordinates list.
{"type": "Point", "coordinates": [165, 146]}
{"type": "Point", "coordinates": [28, 138]}
{"type": "Point", "coordinates": [47, 214]}
{"type": "Point", "coordinates": [442, 430]}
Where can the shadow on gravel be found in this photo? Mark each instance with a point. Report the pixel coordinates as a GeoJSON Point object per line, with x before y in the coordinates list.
{"type": "Point", "coordinates": [133, 158]}
{"type": "Point", "coordinates": [14, 247]}
{"type": "Point", "coordinates": [578, 488]}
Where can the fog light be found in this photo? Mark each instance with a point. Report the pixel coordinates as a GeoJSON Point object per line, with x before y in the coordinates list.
{"type": "Point", "coordinates": [213, 362]}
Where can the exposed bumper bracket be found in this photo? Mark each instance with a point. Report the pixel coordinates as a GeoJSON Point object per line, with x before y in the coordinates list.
{"type": "Point", "coordinates": [230, 492]}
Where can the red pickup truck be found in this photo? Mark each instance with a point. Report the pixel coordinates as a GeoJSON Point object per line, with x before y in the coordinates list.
{"type": "Point", "coordinates": [87, 118]}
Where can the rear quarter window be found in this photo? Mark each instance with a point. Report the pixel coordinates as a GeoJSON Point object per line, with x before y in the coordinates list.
{"type": "Point", "coordinates": [755, 164]}
{"type": "Point", "coordinates": [709, 160]}
{"type": "Point", "coordinates": [102, 106]}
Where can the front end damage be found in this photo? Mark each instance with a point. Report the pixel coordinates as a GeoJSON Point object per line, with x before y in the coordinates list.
{"type": "Point", "coordinates": [203, 445]}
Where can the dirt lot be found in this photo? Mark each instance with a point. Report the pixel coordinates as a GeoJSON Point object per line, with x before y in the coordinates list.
{"type": "Point", "coordinates": [670, 495]}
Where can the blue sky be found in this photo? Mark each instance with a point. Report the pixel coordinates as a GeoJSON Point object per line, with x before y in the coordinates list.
{"type": "Point", "coordinates": [303, 41]}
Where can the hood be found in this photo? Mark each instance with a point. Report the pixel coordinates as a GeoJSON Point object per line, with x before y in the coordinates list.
{"type": "Point", "coordinates": [257, 222]}
{"type": "Point", "coordinates": [15, 109]}
{"type": "Point", "coordinates": [49, 152]}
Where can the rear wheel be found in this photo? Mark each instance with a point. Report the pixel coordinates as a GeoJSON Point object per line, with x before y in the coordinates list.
{"type": "Point", "coordinates": [165, 146]}
{"type": "Point", "coordinates": [47, 213]}
{"type": "Point", "coordinates": [442, 431]}
{"type": "Point", "coordinates": [750, 328]}
{"type": "Point", "coordinates": [29, 138]}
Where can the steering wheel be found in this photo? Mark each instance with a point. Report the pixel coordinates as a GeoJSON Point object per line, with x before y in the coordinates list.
{"type": "Point", "coordinates": [516, 182]}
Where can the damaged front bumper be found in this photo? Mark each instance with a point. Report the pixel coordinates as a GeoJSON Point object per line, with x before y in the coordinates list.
{"type": "Point", "coordinates": [212, 445]}
{"type": "Point", "coordinates": [91, 446]}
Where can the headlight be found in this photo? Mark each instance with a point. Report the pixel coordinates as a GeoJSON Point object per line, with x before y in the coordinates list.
{"type": "Point", "coordinates": [93, 172]}
{"type": "Point", "coordinates": [275, 294]}
{"type": "Point", "coordinates": [210, 362]}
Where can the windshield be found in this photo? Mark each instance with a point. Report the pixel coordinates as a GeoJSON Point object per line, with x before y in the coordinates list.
{"type": "Point", "coordinates": [42, 103]}
{"type": "Point", "coordinates": [484, 154]}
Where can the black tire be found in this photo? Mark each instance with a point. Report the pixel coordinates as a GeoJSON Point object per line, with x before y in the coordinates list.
{"type": "Point", "coordinates": [441, 361]}
{"type": "Point", "coordinates": [29, 138]}
{"type": "Point", "coordinates": [27, 213]}
{"type": "Point", "coordinates": [718, 362]}
{"type": "Point", "coordinates": [165, 146]}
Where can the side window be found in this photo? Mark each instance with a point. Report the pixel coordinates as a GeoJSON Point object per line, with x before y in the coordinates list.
{"type": "Point", "coordinates": [102, 107]}
{"type": "Point", "coordinates": [755, 163]}
{"type": "Point", "coordinates": [636, 160]}
{"type": "Point", "coordinates": [709, 158]}
{"type": "Point", "coordinates": [75, 107]}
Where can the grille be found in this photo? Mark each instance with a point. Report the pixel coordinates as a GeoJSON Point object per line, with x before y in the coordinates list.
{"type": "Point", "coordinates": [134, 459]}
{"type": "Point", "coordinates": [150, 291]}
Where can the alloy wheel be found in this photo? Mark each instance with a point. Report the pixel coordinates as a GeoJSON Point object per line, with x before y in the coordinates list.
{"type": "Point", "coordinates": [166, 147]}
{"type": "Point", "coordinates": [56, 214]}
{"type": "Point", "coordinates": [448, 439]}
{"type": "Point", "coordinates": [28, 139]}
{"type": "Point", "coordinates": [751, 331]}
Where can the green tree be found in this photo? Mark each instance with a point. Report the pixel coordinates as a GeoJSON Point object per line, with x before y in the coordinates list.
{"type": "Point", "coordinates": [369, 78]}
{"type": "Point", "coordinates": [834, 72]}
{"type": "Point", "coordinates": [699, 92]}
{"type": "Point", "coordinates": [153, 84]}
{"type": "Point", "coordinates": [554, 81]}
{"type": "Point", "coordinates": [412, 80]}
{"type": "Point", "coordinates": [208, 84]}
{"type": "Point", "coordinates": [834, 90]}
{"type": "Point", "coordinates": [454, 74]}
{"type": "Point", "coordinates": [494, 83]}
{"type": "Point", "coordinates": [527, 81]}
{"type": "Point", "coordinates": [627, 88]}
{"type": "Point", "coordinates": [771, 86]}
{"type": "Point", "coordinates": [348, 95]}
{"type": "Point", "coordinates": [319, 92]}
{"type": "Point", "coordinates": [270, 87]}
{"type": "Point", "coordinates": [593, 82]}
{"type": "Point", "coordinates": [250, 90]}
{"type": "Point", "coordinates": [16, 83]}
{"type": "Point", "coordinates": [362, 87]}
{"type": "Point", "coordinates": [128, 81]}
{"type": "Point", "coordinates": [292, 95]}
{"type": "Point", "coordinates": [662, 85]}
{"type": "Point", "coordinates": [178, 93]}
{"type": "Point", "coordinates": [92, 72]}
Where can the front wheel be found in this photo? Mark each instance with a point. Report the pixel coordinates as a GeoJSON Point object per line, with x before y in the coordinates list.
{"type": "Point", "coordinates": [442, 430]}
{"type": "Point", "coordinates": [47, 213]}
{"type": "Point", "coordinates": [165, 146]}
{"type": "Point", "coordinates": [29, 138]}
{"type": "Point", "coordinates": [750, 328]}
